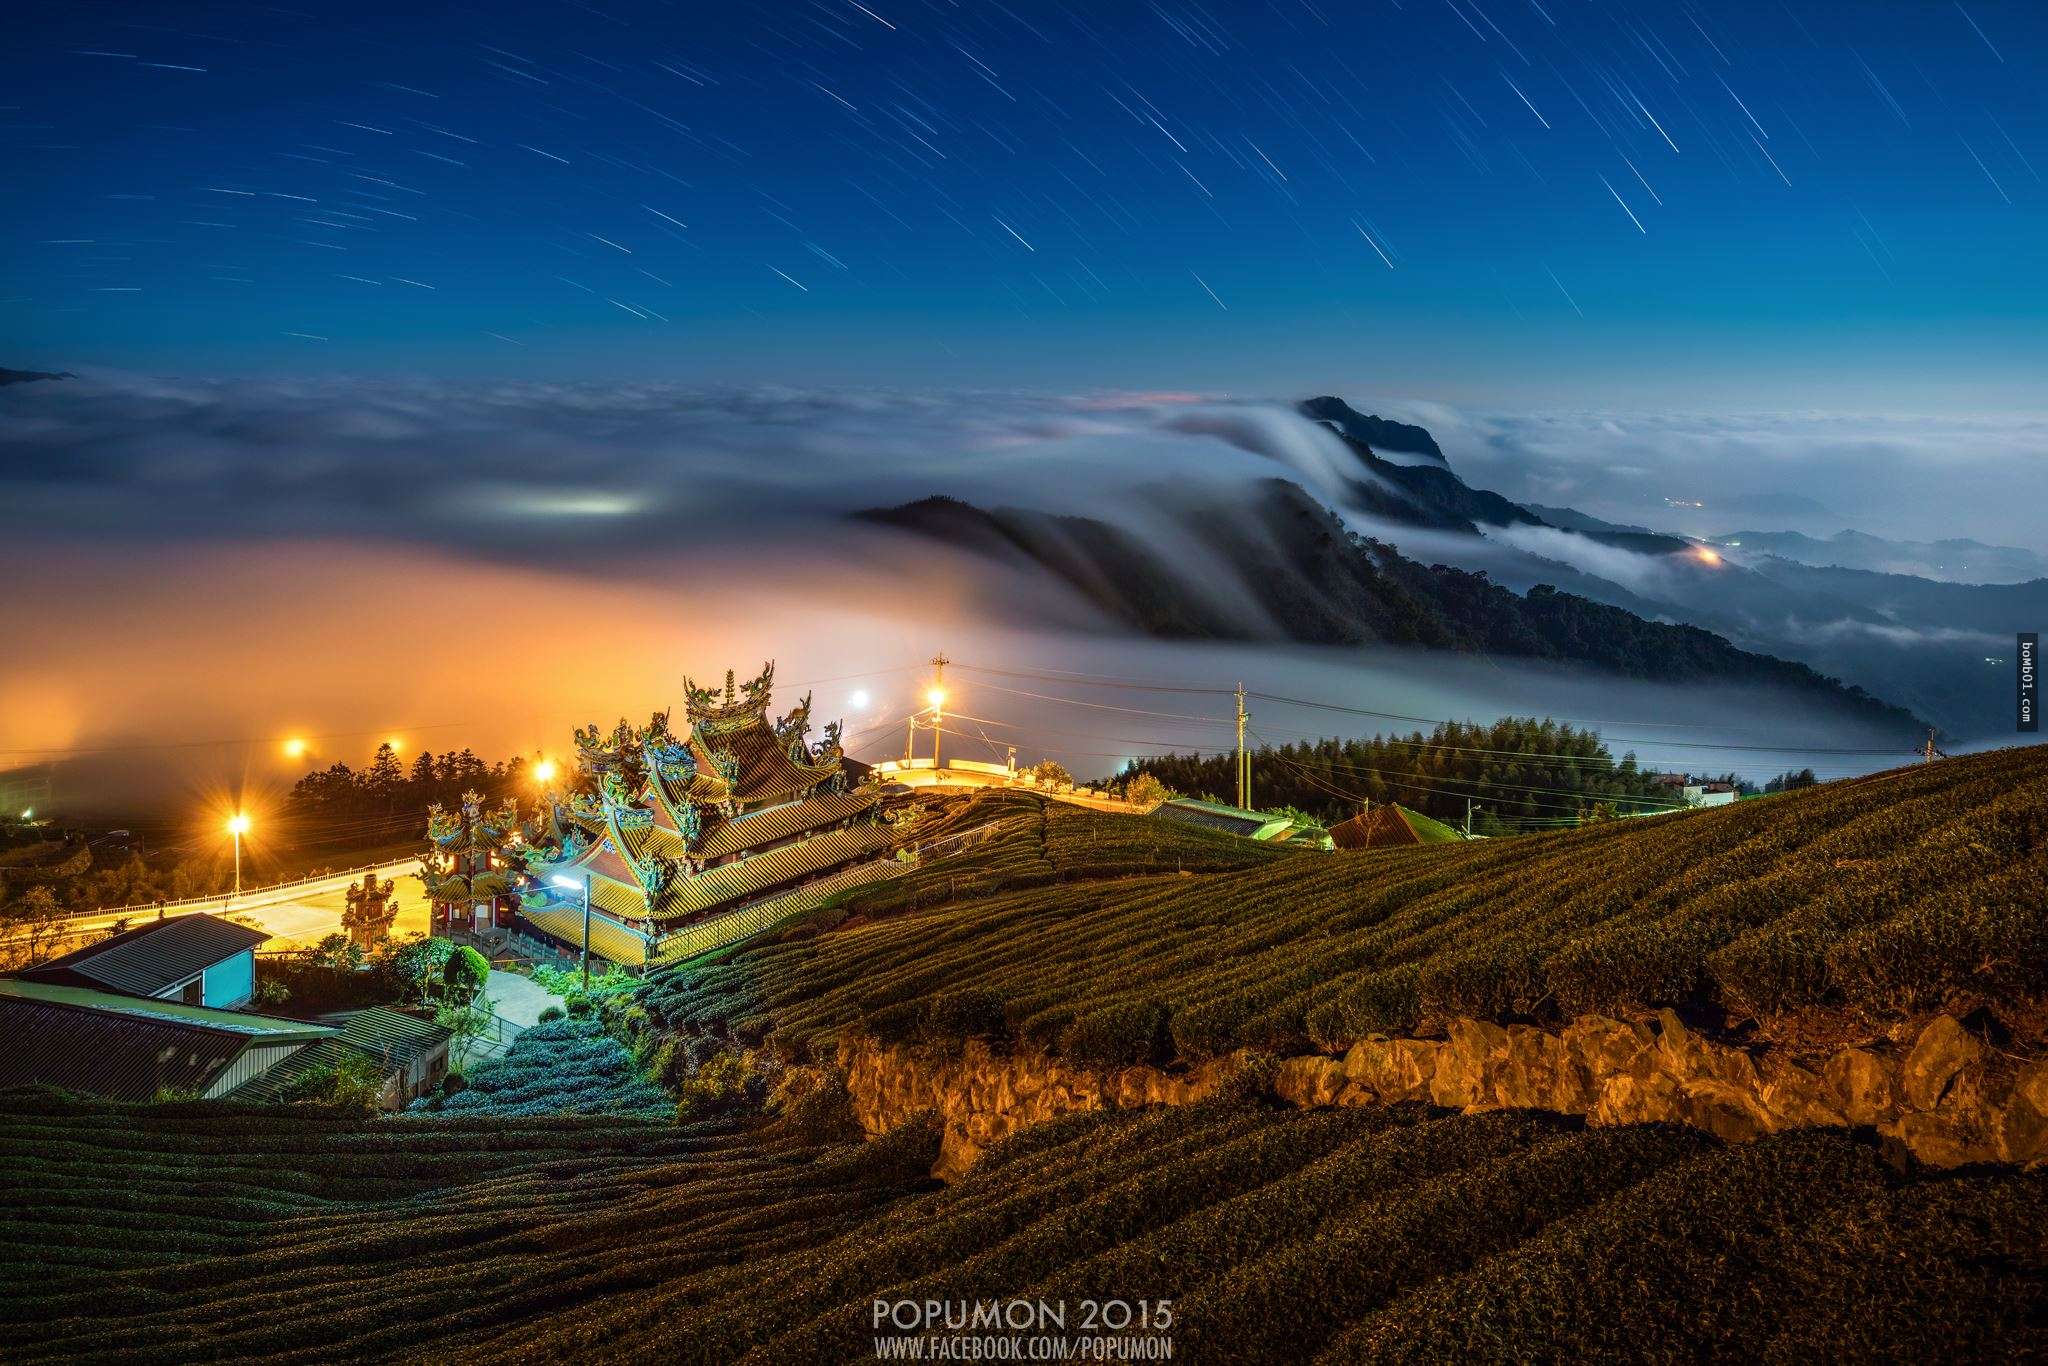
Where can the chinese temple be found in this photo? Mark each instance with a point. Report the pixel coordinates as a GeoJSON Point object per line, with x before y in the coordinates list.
{"type": "Point", "coordinates": [695, 837]}
{"type": "Point", "coordinates": [470, 868]}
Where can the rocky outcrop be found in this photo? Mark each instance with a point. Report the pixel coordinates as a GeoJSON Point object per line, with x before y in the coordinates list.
{"type": "Point", "coordinates": [1945, 1099]}
{"type": "Point", "coordinates": [982, 1096]}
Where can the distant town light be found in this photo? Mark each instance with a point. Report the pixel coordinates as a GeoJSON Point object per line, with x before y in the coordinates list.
{"type": "Point", "coordinates": [544, 771]}
{"type": "Point", "coordinates": [28, 813]}
{"type": "Point", "coordinates": [1708, 556]}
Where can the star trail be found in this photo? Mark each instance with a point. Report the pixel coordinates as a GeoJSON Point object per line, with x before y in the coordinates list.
{"type": "Point", "coordinates": [1561, 194]}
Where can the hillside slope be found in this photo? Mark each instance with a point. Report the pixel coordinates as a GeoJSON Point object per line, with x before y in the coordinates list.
{"type": "Point", "coordinates": [1923, 887]}
{"type": "Point", "coordinates": [172, 1233]}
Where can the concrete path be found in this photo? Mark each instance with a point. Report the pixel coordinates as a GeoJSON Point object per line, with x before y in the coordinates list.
{"type": "Point", "coordinates": [520, 999]}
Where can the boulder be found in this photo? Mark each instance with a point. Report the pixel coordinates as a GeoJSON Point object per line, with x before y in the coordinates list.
{"type": "Point", "coordinates": [1942, 1051]}
{"type": "Point", "coordinates": [1795, 1097]}
{"type": "Point", "coordinates": [1861, 1085]}
{"type": "Point", "coordinates": [1730, 1113]}
{"type": "Point", "coordinates": [2023, 1123]}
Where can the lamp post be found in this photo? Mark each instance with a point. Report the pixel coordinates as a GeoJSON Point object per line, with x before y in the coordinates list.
{"type": "Point", "coordinates": [238, 825]}
{"type": "Point", "coordinates": [569, 883]}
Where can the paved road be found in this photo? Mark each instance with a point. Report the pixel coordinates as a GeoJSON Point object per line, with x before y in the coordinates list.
{"type": "Point", "coordinates": [295, 917]}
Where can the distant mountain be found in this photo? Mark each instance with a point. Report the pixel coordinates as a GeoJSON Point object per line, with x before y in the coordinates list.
{"type": "Point", "coordinates": [1425, 493]}
{"type": "Point", "coordinates": [24, 376]}
{"type": "Point", "coordinates": [1382, 433]}
{"type": "Point", "coordinates": [1571, 519]}
{"type": "Point", "coordinates": [1314, 581]}
{"type": "Point", "coordinates": [1958, 560]}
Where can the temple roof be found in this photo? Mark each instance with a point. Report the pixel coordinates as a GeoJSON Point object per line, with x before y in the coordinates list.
{"type": "Point", "coordinates": [765, 770]}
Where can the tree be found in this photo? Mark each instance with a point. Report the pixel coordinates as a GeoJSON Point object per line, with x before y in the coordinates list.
{"type": "Point", "coordinates": [466, 1023]}
{"type": "Point", "coordinates": [37, 921]}
{"type": "Point", "coordinates": [464, 974]}
{"type": "Point", "coordinates": [1790, 782]}
{"type": "Point", "coordinates": [417, 965]}
{"type": "Point", "coordinates": [385, 776]}
{"type": "Point", "coordinates": [422, 774]}
{"type": "Point", "coordinates": [1052, 775]}
{"type": "Point", "coordinates": [337, 951]}
{"type": "Point", "coordinates": [1145, 790]}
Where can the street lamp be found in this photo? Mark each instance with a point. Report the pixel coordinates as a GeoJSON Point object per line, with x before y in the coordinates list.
{"type": "Point", "coordinates": [238, 826]}
{"type": "Point", "coordinates": [569, 884]}
{"type": "Point", "coordinates": [544, 772]}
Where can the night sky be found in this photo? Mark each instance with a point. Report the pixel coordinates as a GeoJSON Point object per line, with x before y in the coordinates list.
{"type": "Point", "coordinates": [1556, 200]}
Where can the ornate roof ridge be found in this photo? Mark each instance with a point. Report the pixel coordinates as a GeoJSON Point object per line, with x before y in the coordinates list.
{"type": "Point", "coordinates": [740, 700]}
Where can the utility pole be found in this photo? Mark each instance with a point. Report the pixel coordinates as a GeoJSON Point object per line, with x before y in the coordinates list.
{"type": "Point", "coordinates": [1930, 754]}
{"type": "Point", "coordinates": [1244, 760]}
{"type": "Point", "coordinates": [937, 697]}
{"type": "Point", "coordinates": [1468, 818]}
{"type": "Point", "coordinates": [586, 934]}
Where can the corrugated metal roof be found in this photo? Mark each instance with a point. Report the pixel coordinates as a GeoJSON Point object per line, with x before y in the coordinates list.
{"type": "Point", "coordinates": [123, 1047]}
{"type": "Point", "coordinates": [99, 1053]}
{"type": "Point", "coordinates": [270, 1086]}
{"type": "Point", "coordinates": [272, 1028]}
{"type": "Point", "coordinates": [153, 957]}
{"type": "Point", "coordinates": [385, 1033]}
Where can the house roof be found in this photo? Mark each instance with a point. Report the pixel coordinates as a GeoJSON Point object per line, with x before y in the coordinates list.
{"type": "Point", "coordinates": [151, 958]}
{"type": "Point", "coordinates": [1389, 826]}
{"type": "Point", "coordinates": [384, 1033]}
{"type": "Point", "coordinates": [274, 1028]}
{"type": "Point", "coordinates": [271, 1085]}
{"type": "Point", "coordinates": [1235, 820]}
{"type": "Point", "coordinates": [124, 1047]}
{"type": "Point", "coordinates": [390, 1038]}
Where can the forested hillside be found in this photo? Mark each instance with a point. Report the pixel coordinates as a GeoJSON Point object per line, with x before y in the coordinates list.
{"type": "Point", "coordinates": [1516, 772]}
{"type": "Point", "coordinates": [175, 1233]}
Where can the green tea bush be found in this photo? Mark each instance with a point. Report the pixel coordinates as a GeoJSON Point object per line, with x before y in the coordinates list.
{"type": "Point", "coordinates": [1900, 891]}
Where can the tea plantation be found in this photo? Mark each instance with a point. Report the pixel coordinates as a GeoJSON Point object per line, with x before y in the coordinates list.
{"type": "Point", "coordinates": [1920, 887]}
{"type": "Point", "coordinates": [181, 1232]}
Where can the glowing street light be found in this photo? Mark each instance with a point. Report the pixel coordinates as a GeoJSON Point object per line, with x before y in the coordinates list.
{"type": "Point", "coordinates": [570, 884]}
{"type": "Point", "coordinates": [544, 772]}
{"type": "Point", "coordinates": [238, 826]}
{"type": "Point", "coordinates": [937, 698]}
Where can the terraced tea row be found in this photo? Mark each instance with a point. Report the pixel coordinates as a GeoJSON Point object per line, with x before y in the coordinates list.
{"type": "Point", "coordinates": [1921, 887]}
{"type": "Point", "coordinates": [156, 1234]}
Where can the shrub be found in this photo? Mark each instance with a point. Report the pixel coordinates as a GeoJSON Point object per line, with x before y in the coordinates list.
{"type": "Point", "coordinates": [548, 1013]}
{"type": "Point", "coordinates": [1132, 1032]}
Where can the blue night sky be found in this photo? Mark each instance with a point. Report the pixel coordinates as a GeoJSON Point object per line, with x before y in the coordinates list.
{"type": "Point", "coordinates": [1527, 200]}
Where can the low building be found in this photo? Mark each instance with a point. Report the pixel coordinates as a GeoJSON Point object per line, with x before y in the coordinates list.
{"type": "Point", "coordinates": [1265, 826]}
{"type": "Point", "coordinates": [412, 1053]}
{"type": "Point", "coordinates": [1390, 826]}
{"type": "Point", "coordinates": [151, 1012]}
{"type": "Point", "coordinates": [119, 1047]}
{"type": "Point", "coordinates": [200, 960]}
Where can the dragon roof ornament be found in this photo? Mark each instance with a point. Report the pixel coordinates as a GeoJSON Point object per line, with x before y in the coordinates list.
{"type": "Point", "coordinates": [740, 701]}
